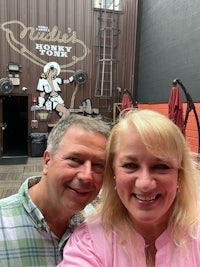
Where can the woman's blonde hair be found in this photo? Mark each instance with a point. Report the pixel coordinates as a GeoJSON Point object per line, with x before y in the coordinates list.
{"type": "Point", "coordinates": [164, 139]}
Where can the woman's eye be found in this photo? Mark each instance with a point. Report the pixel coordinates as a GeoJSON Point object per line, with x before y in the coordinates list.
{"type": "Point", "coordinates": [131, 166]}
{"type": "Point", "coordinates": [161, 167]}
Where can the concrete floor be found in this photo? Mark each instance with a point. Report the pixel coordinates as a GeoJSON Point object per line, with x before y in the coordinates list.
{"type": "Point", "coordinates": [12, 176]}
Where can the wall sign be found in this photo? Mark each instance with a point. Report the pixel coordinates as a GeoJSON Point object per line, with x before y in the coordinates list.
{"type": "Point", "coordinates": [47, 42]}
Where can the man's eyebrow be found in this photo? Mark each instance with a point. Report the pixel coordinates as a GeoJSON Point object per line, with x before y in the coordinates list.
{"type": "Point", "coordinates": [74, 153]}
{"type": "Point", "coordinates": [79, 154]}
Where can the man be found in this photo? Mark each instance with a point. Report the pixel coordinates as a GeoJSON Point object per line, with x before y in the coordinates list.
{"type": "Point", "coordinates": [36, 223]}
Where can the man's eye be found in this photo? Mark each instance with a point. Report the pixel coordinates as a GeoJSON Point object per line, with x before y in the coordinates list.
{"type": "Point", "coordinates": [71, 158]}
{"type": "Point", "coordinates": [74, 160]}
{"type": "Point", "coordinates": [99, 166]}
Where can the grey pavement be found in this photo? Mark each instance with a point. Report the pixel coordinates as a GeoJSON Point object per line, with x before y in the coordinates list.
{"type": "Point", "coordinates": [12, 176]}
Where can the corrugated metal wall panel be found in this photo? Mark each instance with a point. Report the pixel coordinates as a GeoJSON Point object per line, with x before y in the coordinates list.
{"type": "Point", "coordinates": [69, 16]}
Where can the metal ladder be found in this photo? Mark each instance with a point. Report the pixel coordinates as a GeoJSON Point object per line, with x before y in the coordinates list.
{"type": "Point", "coordinates": [107, 47]}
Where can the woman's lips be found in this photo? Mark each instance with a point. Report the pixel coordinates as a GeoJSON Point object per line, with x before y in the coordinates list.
{"type": "Point", "coordinates": [146, 198]}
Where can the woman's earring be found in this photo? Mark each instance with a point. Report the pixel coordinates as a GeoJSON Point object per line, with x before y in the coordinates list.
{"type": "Point", "coordinates": [115, 185]}
{"type": "Point", "coordinates": [178, 188]}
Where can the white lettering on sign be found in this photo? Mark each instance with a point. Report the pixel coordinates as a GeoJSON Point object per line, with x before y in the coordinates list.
{"type": "Point", "coordinates": [53, 50]}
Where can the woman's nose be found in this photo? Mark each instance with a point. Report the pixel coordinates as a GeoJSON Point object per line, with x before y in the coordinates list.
{"type": "Point", "coordinates": [145, 180]}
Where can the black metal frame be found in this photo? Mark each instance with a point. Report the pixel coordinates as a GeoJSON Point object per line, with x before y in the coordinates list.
{"type": "Point", "coordinates": [190, 107]}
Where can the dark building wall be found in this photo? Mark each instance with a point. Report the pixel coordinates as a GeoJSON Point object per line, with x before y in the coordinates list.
{"type": "Point", "coordinates": [168, 48]}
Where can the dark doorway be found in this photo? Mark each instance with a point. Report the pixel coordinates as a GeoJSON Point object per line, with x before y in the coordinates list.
{"type": "Point", "coordinates": [15, 125]}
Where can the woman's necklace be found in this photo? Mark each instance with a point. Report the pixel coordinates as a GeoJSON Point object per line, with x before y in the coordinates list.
{"type": "Point", "coordinates": [148, 245]}
{"type": "Point", "coordinates": [150, 252]}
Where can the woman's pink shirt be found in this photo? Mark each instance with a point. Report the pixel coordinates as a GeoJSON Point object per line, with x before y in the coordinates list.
{"type": "Point", "coordinates": [90, 247]}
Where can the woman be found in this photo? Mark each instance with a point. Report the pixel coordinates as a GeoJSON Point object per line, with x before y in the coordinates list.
{"type": "Point", "coordinates": [49, 88]}
{"type": "Point", "coordinates": [150, 211]}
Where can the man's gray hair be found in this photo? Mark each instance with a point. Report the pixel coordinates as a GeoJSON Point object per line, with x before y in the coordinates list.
{"type": "Point", "coordinates": [90, 124]}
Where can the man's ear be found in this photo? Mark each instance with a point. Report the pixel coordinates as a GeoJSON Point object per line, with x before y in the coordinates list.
{"type": "Point", "coordinates": [46, 159]}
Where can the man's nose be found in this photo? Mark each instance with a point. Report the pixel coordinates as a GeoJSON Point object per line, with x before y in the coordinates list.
{"type": "Point", "coordinates": [145, 180]}
{"type": "Point", "coordinates": [85, 171]}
